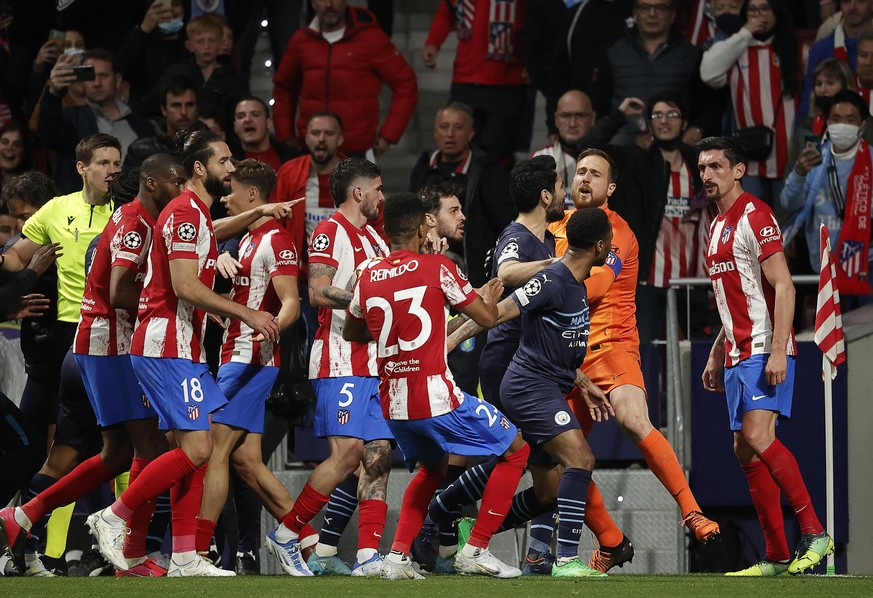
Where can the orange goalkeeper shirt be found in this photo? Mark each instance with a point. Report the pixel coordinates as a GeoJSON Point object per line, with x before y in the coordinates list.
{"type": "Point", "coordinates": [612, 287]}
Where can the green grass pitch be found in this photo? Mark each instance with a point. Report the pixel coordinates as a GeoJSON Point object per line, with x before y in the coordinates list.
{"type": "Point", "coordinates": [620, 586]}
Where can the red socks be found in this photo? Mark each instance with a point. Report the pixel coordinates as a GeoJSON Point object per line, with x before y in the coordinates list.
{"type": "Point", "coordinates": [599, 521]}
{"type": "Point", "coordinates": [497, 498]}
{"type": "Point", "coordinates": [138, 523]}
{"type": "Point", "coordinates": [413, 509]}
{"type": "Point", "coordinates": [205, 531]}
{"type": "Point", "coordinates": [78, 483]}
{"type": "Point", "coordinates": [307, 506]}
{"type": "Point", "coordinates": [661, 459]}
{"type": "Point", "coordinates": [155, 479]}
{"type": "Point", "coordinates": [765, 497]}
{"type": "Point", "coordinates": [783, 467]}
{"type": "Point", "coordinates": [185, 498]}
{"type": "Point", "coordinates": [371, 522]}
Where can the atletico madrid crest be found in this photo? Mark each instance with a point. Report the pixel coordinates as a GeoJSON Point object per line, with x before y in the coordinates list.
{"type": "Point", "coordinates": [342, 416]}
{"type": "Point", "coordinates": [193, 412]}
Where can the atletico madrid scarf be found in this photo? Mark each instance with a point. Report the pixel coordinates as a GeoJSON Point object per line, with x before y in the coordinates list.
{"type": "Point", "coordinates": [501, 26]}
{"type": "Point", "coordinates": [853, 245]}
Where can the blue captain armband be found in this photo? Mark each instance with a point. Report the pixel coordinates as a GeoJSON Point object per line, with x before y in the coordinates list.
{"type": "Point", "coordinates": [614, 262]}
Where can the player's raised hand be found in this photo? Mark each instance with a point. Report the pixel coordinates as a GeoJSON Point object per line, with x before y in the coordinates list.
{"type": "Point", "coordinates": [597, 402]}
{"type": "Point", "coordinates": [279, 211]}
{"type": "Point", "coordinates": [265, 325]}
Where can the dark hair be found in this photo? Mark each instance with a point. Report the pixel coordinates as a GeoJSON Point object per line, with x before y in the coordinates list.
{"type": "Point", "coordinates": [325, 114]}
{"type": "Point", "coordinates": [216, 113]}
{"type": "Point", "coordinates": [733, 151]}
{"type": "Point", "coordinates": [253, 99]}
{"type": "Point", "coordinates": [157, 165]}
{"type": "Point", "coordinates": [177, 86]}
{"type": "Point", "coordinates": [101, 54]}
{"type": "Point", "coordinates": [86, 148]}
{"type": "Point", "coordinates": [26, 144]}
{"type": "Point", "coordinates": [784, 46]}
{"type": "Point", "coordinates": [404, 213]}
{"type": "Point", "coordinates": [529, 178]}
{"type": "Point", "coordinates": [124, 186]}
{"type": "Point", "coordinates": [195, 146]}
{"type": "Point", "coordinates": [32, 187]}
{"type": "Point", "coordinates": [847, 96]}
{"type": "Point", "coordinates": [670, 98]}
{"type": "Point", "coordinates": [257, 174]}
{"type": "Point", "coordinates": [612, 174]}
{"type": "Point", "coordinates": [346, 173]}
{"type": "Point", "coordinates": [458, 107]}
{"type": "Point", "coordinates": [586, 227]}
{"type": "Point", "coordinates": [432, 196]}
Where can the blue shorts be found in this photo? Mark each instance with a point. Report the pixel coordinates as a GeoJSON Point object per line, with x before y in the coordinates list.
{"type": "Point", "coordinates": [747, 389]}
{"type": "Point", "coordinates": [475, 429]}
{"type": "Point", "coordinates": [113, 389]}
{"type": "Point", "coordinates": [537, 406]}
{"type": "Point", "coordinates": [349, 406]}
{"type": "Point", "coordinates": [182, 392]}
{"type": "Point", "coordinates": [246, 388]}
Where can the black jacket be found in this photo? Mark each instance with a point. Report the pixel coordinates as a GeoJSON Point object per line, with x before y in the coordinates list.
{"type": "Point", "coordinates": [486, 203]}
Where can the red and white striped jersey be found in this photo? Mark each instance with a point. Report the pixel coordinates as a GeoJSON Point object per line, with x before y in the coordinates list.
{"type": "Point", "coordinates": [168, 326]}
{"type": "Point", "coordinates": [264, 253]}
{"type": "Point", "coordinates": [125, 242]}
{"type": "Point", "coordinates": [756, 92]}
{"type": "Point", "coordinates": [702, 23]}
{"type": "Point", "coordinates": [319, 203]}
{"type": "Point", "coordinates": [678, 245]}
{"type": "Point", "coordinates": [740, 240]}
{"type": "Point", "coordinates": [404, 299]}
{"type": "Point", "coordinates": [338, 243]}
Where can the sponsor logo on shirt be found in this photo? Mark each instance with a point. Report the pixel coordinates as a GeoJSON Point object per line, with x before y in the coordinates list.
{"type": "Point", "coordinates": [132, 240]}
{"type": "Point", "coordinates": [287, 255]}
{"type": "Point", "coordinates": [722, 267]}
{"type": "Point", "coordinates": [402, 367]}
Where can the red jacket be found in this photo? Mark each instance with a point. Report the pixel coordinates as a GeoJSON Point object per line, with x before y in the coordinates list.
{"type": "Point", "coordinates": [470, 65]}
{"type": "Point", "coordinates": [344, 78]}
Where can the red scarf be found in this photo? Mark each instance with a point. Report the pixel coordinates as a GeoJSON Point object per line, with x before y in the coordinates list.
{"type": "Point", "coordinates": [853, 246]}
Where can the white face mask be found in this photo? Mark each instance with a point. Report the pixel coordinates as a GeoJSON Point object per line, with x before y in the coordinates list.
{"type": "Point", "coordinates": [844, 135]}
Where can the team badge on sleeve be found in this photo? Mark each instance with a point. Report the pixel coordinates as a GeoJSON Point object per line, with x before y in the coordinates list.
{"type": "Point", "coordinates": [321, 242]}
{"type": "Point", "coordinates": [186, 231]}
{"type": "Point", "coordinates": [461, 273]}
{"type": "Point", "coordinates": [287, 254]}
{"type": "Point", "coordinates": [132, 240]}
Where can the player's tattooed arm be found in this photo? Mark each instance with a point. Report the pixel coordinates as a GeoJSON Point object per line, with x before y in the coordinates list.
{"type": "Point", "coordinates": [322, 293]}
{"type": "Point", "coordinates": [377, 463]}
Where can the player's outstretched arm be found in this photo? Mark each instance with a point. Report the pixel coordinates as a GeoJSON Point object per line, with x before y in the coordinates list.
{"type": "Point", "coordinates": [16, 258]}
{"type": "Point", "coordinates": [715, 365]}
{"type": "Point", "coordinates": [322, 293]}
{"type": "Point", "coordinates": [514, 273]}
{"type": "Point", "coordinates": [226, 228]}
{"type": "Point", "coordinates": [187, 286]}
{"type": "Point", "coordinates": [506, 310]}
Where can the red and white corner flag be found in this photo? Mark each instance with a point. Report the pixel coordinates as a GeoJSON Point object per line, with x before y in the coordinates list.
{"type": "Point", "coordinates": [828, 319]}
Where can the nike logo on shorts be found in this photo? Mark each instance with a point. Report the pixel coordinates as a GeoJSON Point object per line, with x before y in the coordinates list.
{"type": "Point", "coordinates": [759, 397]}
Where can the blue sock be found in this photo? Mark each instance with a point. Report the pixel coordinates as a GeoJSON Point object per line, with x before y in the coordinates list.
{"type": "Point", "coordinates": [572, 494]}
{"type": "Point", "coordinates": [466, 490]}
{"type": "Point", "coordinates": [541, 529]}
{"type": "Point", "coordinates": [339, 510]}
{"type": "Point", "coordinates": [525, 506]}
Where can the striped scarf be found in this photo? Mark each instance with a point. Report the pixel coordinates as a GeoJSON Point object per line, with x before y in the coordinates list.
{"type": "Point", "coordinates": [501, 26]}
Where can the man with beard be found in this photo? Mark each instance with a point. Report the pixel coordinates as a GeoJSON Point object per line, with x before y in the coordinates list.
{"type": "Point", "coordinates": [168, 356]}
{"type": "Point", "coordinates": [574, 117]}
{"type": "Point", "coordinates": [524, 248]}
{"type": "Point", "coordinates": [344, 375]}
{"type": "Point", "coordinates": [755, 351]}
{"type": "Point", "coordinates": [654, 193]}
{"type": "Point", "coordinates": [612, 364]}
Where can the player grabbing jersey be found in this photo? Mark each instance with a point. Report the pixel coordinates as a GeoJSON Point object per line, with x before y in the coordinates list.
{"type": "Point", "coordinates": [755, 349]}
{"type": "Point", "coordinates": [403, 300]}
